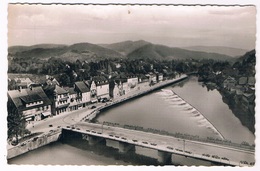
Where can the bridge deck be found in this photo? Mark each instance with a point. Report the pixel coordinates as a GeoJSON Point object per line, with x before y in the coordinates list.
{"type": "Point", "coordinates": [170, 144]}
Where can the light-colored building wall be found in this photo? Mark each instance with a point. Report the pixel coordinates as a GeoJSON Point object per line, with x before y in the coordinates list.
{"type": "Point", "coordinates": [86, 97]}
{"type": "Point", "coordinates": [36, 112]}
{"type": "Point", "coordinates": [103, 91]}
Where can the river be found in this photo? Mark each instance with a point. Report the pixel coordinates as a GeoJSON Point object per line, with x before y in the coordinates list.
{"type": "Point", "coordinates": [158, 110]}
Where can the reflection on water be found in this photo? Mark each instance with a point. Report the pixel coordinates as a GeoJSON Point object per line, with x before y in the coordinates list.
{"type": "Point", "coordinates": [163, 111]}
{"type": "Point", "coordinates": [159, 110]}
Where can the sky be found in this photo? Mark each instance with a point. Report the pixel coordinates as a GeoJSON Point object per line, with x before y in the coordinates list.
{"type": "Point", "coordinates": [174, 26]}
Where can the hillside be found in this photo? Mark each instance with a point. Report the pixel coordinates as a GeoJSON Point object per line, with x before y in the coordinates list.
{"type": "Point", "coordinates": [81, 51]}
{"type": "Point", "coordinates": [229, 51]}
{"type": "Point", "coordinates": [248, 57]}
{"type": "Point", "coordinates": [87, 51]}
{"type": "Point", "coordinates": [126, 47]}
{"type": "Point", "coordinates": [160, 52]}
{"type": "Point", "coordinates": [95, 51]}
{"type": "Point", "coordinates": [15, 49]}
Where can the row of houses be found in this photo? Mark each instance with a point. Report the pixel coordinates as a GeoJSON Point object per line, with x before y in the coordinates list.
{"type": "Point", "coordinates": [39, 102]}
{"type": "Point", "coordinates": [243, 89]}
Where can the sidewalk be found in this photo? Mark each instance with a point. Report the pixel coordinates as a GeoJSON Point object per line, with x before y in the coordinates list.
{"type": "Point", "coordinates": [72, 117]}
{"type": "Point", "coordinates": [75, 116]}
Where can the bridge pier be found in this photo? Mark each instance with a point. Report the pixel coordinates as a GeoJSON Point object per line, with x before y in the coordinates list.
{"type": "Point", "coordinates": [92, 140]}
{"type": "Point", "coordinates": [163, 157]}
{"type": "Point", "coordinates": [125, 147]}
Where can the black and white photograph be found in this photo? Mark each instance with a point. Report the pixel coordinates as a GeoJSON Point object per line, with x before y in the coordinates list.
{"type": "Point", "coordinates": [131, 84]}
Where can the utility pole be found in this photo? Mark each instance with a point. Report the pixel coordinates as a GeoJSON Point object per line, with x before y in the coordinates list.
{"type": "Point", "coordinates": [102, 126]}
{"type": "Point", "coordinates": [183, 145]}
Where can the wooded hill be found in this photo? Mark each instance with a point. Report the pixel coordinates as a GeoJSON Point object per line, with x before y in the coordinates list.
{"type": "Point", "coordinates": [128, 49]}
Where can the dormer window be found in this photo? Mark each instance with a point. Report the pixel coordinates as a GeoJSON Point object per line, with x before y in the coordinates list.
{"type": "Point", "coordinates": [33, 103]}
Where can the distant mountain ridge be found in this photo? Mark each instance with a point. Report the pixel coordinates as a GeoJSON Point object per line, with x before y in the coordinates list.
{"type": "Point", "coordinates": [229, 51]}
{"type": "Point", "coordinates": [15, 49]}
{"type": "Point", "coordinates": [164, 52]}
{"type": "Point", "coordinates": [127, 49]}
{"type": "Point", "coordinates": [81, 51]}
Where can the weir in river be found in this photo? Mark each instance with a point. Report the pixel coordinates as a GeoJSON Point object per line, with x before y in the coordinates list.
{"type": "Point", "coordinates": [188, 108]}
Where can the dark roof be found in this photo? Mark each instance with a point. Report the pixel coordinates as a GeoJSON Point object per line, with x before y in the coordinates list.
{"type": "Point", "coordinates": [121, 77]}
{"type": "Point", "coordinates": [31, 98]}
{"type": "Point", "coordinates": [251, 80]}
{"type": "Point", "coordinates": [70, 90]}
{"type": "Point", "coordinates": [59, 90]}
{"type": "Point", "coordinates": [81, 86]}
{"type": "Point", "coordinates": [100, 80]}
{"type": "Point", "coordinates": [242, 80]}
{"type": "Point", "coordinates": [23, 96]}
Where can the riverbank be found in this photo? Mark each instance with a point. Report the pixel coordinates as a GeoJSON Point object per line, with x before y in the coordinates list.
{"type": "Point", "coordinates": [34, 143]}
{"type": "Point", "coordinates": [131, 95]}
{"type": "Point", "coordinates": [51, 134]}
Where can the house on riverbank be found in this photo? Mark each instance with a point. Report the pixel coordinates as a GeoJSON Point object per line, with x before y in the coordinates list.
{"type": "Point", "coordinates": [32, 103]}
{"type": "Point", "coordinates": [83, 94]}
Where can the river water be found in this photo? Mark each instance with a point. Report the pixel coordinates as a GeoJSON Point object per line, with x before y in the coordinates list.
{"type": "Point", "coordinates": [160, 110]}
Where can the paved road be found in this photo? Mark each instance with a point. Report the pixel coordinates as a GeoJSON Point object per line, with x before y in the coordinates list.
{"type": "Point", "coordinates": [73, 117]}
{"type": "Point", "coordinates": [179, 146]}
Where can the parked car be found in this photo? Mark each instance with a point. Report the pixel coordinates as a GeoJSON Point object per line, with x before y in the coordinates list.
{"type": "Point", "coordinates": [244, 162]}
{"type": "Point", "coordinates": [179, 150]}
{"type": "Point", "coordinates": [224, 158]}
{"type": "Point", "coordinates": [104, 100]}
{"type": "Point", "coordinates": [188, 152]}
{"type": "Point", "coordinates": [215, 156]}
{"type": "Point", "coordinates": [206, 155]}
{"type": "Point", "coordinates": [35, 138]}
{"type": "Point", "coordinates": [169, 148]}
{"type": "Point", "coordinates": [93, 107]}
{"type": "Point", "coordinates": [252, 163]}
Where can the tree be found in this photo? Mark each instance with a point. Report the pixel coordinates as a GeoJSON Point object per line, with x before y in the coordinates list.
{"type": "Point", "coordinates": [15, 122]}
{"type": "Point", "coordinates": [64, 79]}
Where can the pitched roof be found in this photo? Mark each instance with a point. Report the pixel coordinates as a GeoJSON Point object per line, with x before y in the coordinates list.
{"type": "Point", "coordinates": [26, 80]}
{"type": "Point", "coordinates": [81, 86]}
{"type": "Point", "coordinates": [59, 90]}
{"type": "Point", "coordinates": [251, 80]}
{"type": "Point", "coordinates": [31, 98]}
{"type": "Point", "coordinates": [70, 90]}
{"type": "Point", "coordinates": [242, 80]}
{"type": "Point", "coordinates": [25, 96]}
{"type": "Point", "coordinates": [100, 80]}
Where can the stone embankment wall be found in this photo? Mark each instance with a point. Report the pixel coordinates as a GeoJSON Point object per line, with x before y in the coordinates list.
{"type": "Point", "coordinates": [47, 138]}
{"type": "Point", "coordinates": [34, 143]}
{"type": "Point", "coordinates": [91, 116]}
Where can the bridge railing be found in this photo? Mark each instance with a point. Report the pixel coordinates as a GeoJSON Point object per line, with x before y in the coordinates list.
{"type": "Point", "coordinates": [225, 142]}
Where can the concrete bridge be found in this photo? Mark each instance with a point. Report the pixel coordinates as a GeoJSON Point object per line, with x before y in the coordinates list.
{"type": "Point", "coordinates": [166, 146]}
